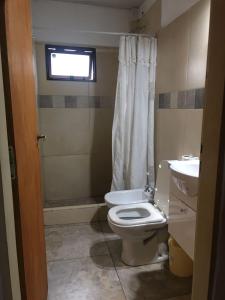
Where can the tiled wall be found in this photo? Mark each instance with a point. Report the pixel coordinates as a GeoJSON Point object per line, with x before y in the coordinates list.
{"type": "Point", "coordinates": [77, 120]}
{"type": "Point", "coordinates": [47, 101]}
{"type": "Point", "coordinates": [180, 79]}
{"type": "Point", "coordinates": [191, 99]}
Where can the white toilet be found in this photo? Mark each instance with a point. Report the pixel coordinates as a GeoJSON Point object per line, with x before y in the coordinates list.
{"type": "Point", "coordinates": [142, 225]}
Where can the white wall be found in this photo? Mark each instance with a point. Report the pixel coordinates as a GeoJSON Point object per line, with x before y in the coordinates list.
{"type": "Point", "coordinates": [63, 22]}
{"type": "Point", "coordinates": [8, 199]}
{"type": "Point", "coordinates": [144, 8]}
{"type": "Point", "coordinates": [171, 9]}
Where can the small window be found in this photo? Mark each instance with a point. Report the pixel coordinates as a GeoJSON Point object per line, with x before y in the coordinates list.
{"type": "Point", "coordinates": [70, 63]}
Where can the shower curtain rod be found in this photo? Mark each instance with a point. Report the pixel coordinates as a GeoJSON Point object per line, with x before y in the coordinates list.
{"type": "Point", "coordinates": [119, 33]}
{"type": "Point", "coordinates": [93, 32]}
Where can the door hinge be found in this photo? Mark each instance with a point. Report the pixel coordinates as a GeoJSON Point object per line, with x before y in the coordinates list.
{"type": "Point", "coordinates": [12, 162]}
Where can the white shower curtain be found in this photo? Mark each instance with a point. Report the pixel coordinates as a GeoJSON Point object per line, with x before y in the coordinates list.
{"type": "Point", "coordinates": [133, 124]}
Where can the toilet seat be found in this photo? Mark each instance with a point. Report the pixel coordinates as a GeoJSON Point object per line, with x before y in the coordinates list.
{"type": "Point", "coordinates": [135, 214]}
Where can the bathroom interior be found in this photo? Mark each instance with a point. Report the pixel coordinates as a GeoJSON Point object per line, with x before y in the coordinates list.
{"type": "Point", "coordinates": [117, 152]}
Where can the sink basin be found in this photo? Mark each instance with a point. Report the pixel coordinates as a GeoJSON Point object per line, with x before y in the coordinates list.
{"type": "Point", "coordinates": [188, 168]}
{"type": "Point", "coordinates": [184, 181]}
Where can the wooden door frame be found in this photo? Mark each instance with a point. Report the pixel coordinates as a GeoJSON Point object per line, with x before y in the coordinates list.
{"type": "Point", "coordinates": [217, 270]}
{"type": "Point", "coordinates": [10, 135]}
{"type": "Point", "coordinates": [20, 104]}
{"type": "Point", "coordinates": [209, 228]}
{"type": "Point", "coordinates": [211, 193]}
{"type": "Point", "coordinates": [6, 197]}
{"type": "Point", "coordinates": [5, 281]}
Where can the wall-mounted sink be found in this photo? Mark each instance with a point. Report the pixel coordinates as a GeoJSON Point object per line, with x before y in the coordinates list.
{"type": "Point", "coordinates": [189, 168]}
{"type": "Point", "coordinates": [184, 181]}
{"type": "Point", "coordinates": [183, 203]}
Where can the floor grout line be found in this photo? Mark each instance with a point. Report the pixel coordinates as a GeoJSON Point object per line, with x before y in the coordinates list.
{"type": "Point", "coordinates": [116, 272]}
{"type": "Point", "coordinates": [117, 268]}
{"type": "Point", "coordinates": [112, 254]}
{"type": "Point", "coordinates": [114, 265]}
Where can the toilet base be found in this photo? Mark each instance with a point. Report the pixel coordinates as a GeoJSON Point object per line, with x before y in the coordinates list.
{"type": "Point", "coordinates": [138, 253]}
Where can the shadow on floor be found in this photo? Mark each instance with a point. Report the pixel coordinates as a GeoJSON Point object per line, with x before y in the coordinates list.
{"type": "Point", "coordinates": [150, 282]}
{"type": "Point", "coordinates": [158, 285]}
{"type": "Point", "coordinates": [153, 284]}
{"type": "Point", "coordinates": [97, 228]}
{"type": "Point", "coordinates": [114, 250]}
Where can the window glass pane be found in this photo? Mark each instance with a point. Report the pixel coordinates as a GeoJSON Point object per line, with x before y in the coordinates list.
{"type": "Point", "coordinates": [70, 64]}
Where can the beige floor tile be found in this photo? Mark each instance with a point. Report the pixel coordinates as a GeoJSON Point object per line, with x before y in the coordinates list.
{"type": "Point", "coordinates": [85, 263]}
{"type": "Point", "coordinates": [107, 231]}
{"type": "Point", "coordinates": [74, 241]}
{"type": "Point", "coordinates": [84, 279]}
{"type": "Point", "coordinates": [152, 282]}
{"type": "Point", "coordinates": [114, 244]}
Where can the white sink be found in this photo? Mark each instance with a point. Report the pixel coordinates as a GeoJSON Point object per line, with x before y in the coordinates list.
{"type": "Point", "coordinates": [188, 168]}
{"type": "Point", "coordinates": [184, 181]}
{"type": "Point", "coordinates": [183, 203]}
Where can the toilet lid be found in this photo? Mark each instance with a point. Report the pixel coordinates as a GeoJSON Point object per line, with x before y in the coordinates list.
{"type": "Point", "coordinates": [127, 215]}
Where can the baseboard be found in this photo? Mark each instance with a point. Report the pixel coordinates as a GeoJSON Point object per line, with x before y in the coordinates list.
{"type": "Point", "coordinates": [75, 214]}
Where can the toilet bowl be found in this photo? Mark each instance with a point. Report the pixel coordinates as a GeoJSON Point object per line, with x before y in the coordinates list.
{"type": "Point", "coordinates": [135, 221]}
{"type": "Point", "coordinates": [142, 225]}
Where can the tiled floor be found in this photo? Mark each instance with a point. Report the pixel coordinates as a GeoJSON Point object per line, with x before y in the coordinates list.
{"type": "Point", "coordinates": [84, 264]}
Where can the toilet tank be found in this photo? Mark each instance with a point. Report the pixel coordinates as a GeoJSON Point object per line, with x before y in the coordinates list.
{"type": "Point", "coordinates": [163, 186]}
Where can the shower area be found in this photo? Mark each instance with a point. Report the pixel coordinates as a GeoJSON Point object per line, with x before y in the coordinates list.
{"type": "Point", "coordinates": [84, 153]}
{"type": "Point", "coordinates": [76, 118]}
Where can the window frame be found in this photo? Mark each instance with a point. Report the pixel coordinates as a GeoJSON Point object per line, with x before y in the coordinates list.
{"type": "Point", "coordinates": [49, 49]}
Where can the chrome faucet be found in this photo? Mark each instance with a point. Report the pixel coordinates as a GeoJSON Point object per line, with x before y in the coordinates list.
{"type": "Point", "coordinates": [149, 189]}
{"type": "Point", "coordinates": [147, 186]}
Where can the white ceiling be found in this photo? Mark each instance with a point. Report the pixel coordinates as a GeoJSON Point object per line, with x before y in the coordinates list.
{"type": "Point", "coordinates": [109, 3]}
